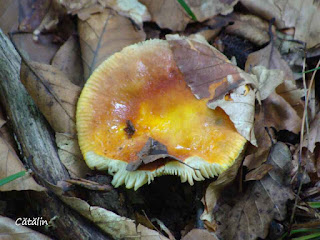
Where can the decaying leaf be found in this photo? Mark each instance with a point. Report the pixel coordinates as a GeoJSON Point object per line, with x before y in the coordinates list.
{"type": "Point", "coordinates": [258, 173]}
{"type": "Point", "coordinates": [248, 215]}
{"type": "Point", "coordinates": [41, 51]}
{"type": "Point", "coordinates": [270, 58]}
{"type": "Point", "coordinates": [11, 231]}
{"type": "Point", "coordinates": [268, 80]}
{"type": "Point", "coordinates": [249, 27]}
{"type": "Point", "coordinates": [196, 234]}
{"type": "Point", "coordinates": [313, 137]}
{"type": "Point", "coordinates": [214, 190]}
{"type": "Point", "coordinates": [9, 15]}
{"type": "Point", "coordinates": [68, 60]}
{"type": "Point", "coordinates": [70, 155]}
{"type": "Point", "coordinates": [302, 15]}
{"type": "Point", "coordinates": [114, 225]}
{"type": "Point", "coordinates": [104, 34]}
{"type": "Point", "coordinates": [205, 9]}
{"type": "Point", "coordinates": [53, 93]}
{"type": "Point", "coordinates": [11, 164]}
{"type": "Point", "coordinates": [167, 14]}
{"type": "Point", "coordinates": [279, 114]}
{"type": "Point", "coordinates": [205, 68]}
{"type": "Point", "coordinates": [128, 8]}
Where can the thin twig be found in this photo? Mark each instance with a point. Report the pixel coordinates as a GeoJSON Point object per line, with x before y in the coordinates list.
{"type": "Point", "coordinates": [303, 123]}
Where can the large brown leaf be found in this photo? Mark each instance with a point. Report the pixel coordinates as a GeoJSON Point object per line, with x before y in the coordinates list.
{"type": "Point", "coordinates": [104, 34]}
{"type": "Point", "coordinates": [248, 215]}
{"type": "Point", "coordinates": [68, 60]}
{"type": "Point", "coordinates": [53, 93]}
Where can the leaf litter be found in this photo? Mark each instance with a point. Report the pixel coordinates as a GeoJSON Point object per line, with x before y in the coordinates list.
{"type": "Point", "coordinates": [104, 28]}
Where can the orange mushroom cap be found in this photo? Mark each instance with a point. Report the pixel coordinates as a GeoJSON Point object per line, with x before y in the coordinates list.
{"type": "Point", "coordinates": [140, 94]}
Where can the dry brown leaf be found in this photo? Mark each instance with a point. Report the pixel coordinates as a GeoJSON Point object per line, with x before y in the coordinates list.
{"type": "Point", "coordinates": [211, 75]}
{"type": "Point", "coordinates": [74, 6]}
{"type": "Point", "coordinates": [129, 8]}
{"type": "Point", "coordinates": [68, 60]}
{"type": "Point", "coordinates": [247, 216]}
{"type": "Point", "coordinates": [50, 21]}
{"type": "Point", "coordinates": [215, 188]}
{"type": "Point", "coordinates": [302, 15]}
{"type": "Point", "coordinates": [249, 27]}
{"type": "Point", "coordinates": [104, 34]}
{"type": "Point", "coordinates": [205, 9]}
{"type": "Point", "coordinates": [116, 226]}
{"type": "Point", "coordinates": [279, 114]}
{"type": "Point", "coordinates": [11, 231]}
{"type": "Point", "coordinates": [53, 93]}
{"type": "Point", "coordinates": [292, 94]}
{"type": "Point", "coordinates": [31, 15]}
{"type": "Point", "coordinates": [41, 51]}
{"type": "Point", "coordinates": [270, 58]}
{"type": "Point", "coordinates": [70, 155]}
{"type": "Point", "coordinates": [258, 173]}
{"type": "Point", "coordinates": [11, 164]}
{"type": "Point", "coordinates": [167, 14]}
{"type": "Point", "coordinates": [268, 80]}
{"type": "Point", "coordinates": [9, 15]}
{"type": "Point", "coordinates": [311, 139]}
{"type": "Point", "coordinates": [196, 234]}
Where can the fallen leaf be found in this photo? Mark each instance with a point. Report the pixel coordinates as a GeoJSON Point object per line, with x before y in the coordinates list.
{"type": "Point", "coordinates": [206, 9]}
{"type": "Point", "coordinates": [70, 155]}
{"type": "Point", "coordinates": [311, 139]}
{"type": "Point", "coordinates": [11, 231]}
{"type": "Point", "coordinates": [268, 80]}
{"type": "Point", "coordinates": [11, 164]}
{"type": "Point", "coordinates": [215, 189]}
{"type": "Point", "coordinates": [270, 58]}
{"type": "Point", "coordinates": [129, 8]}
{"type": "Point", "coordinates": [68, 60]}
{"type": "Point", "coordinates": [9, 15]}
{"type": "Point", "coordinates": [114, 225]}
{"type": "Point", "coordinates": [53, 93]}
{"type": "Point", "coordinates": [41, 50]}
{"type": "Point", "coordinates": [74, 6]}
{"type": "Point", "coordinates": [249, 27]}
{"type": "Point", "coordinates": [258, 173]}
{"type": "Point", "coordinates": [302, 15]}
{"type": "Point", "coordinates": [196, 234]}
{"type": "Point", "coordinates": [211, 75]}
{"type": "Point", "coordinates": [279, 114]}
{"type": "Point", "coordinates": [248, 215]}
{"type": "Point", "coordinates": [50, 20]}
{"type": "Point", "coordinates": [292, 94]}
{"type": "Point", "coordinates": [167, 14]}
{"type": "Point", "coordinates": [32, 13]}
{"type": "Point", "coordinates": [104, 34]}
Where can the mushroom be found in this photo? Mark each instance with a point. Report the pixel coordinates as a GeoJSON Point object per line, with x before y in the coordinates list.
{"type": "Point", "coordinates": [138, 119]}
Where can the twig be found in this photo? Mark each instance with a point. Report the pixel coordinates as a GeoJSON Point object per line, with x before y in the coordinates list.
{"type": "Point", "coordinates": [304, 118]}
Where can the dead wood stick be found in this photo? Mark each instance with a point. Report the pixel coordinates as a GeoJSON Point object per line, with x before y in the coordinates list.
{"type": "Point", "coordinates": [37, 146]}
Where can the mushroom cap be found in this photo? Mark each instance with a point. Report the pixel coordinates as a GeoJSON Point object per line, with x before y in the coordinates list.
{"type": "Point", "coordinates": [142, 86]}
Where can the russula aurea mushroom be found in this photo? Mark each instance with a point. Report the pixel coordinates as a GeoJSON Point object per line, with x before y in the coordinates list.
{"type": "Point", "coordinates": [138, 119]}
